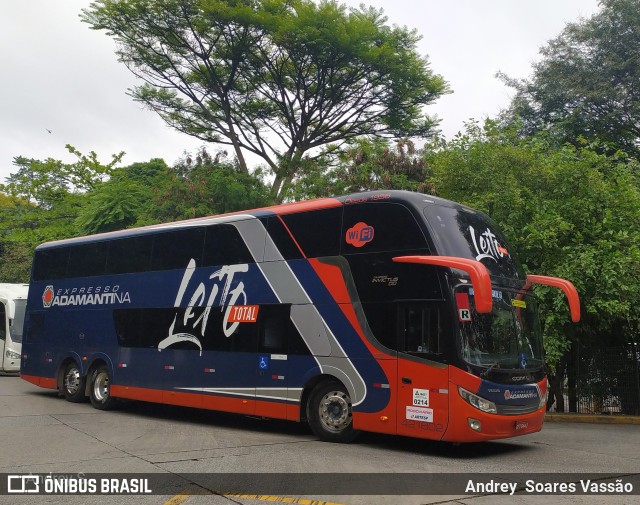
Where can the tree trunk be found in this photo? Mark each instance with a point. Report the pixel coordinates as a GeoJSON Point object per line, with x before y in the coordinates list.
{"type": "Point", "coordinates": [239, 155]}
{"type": "Point", "coordinates": [572, 376]}
{"type": "Point", "coordinates": [555, 386]}
{"type": "Point", "coordinates": [275, 188]}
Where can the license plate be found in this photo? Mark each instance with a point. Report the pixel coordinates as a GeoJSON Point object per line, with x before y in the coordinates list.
{"type": "Point", "coordinates": [521, 425]}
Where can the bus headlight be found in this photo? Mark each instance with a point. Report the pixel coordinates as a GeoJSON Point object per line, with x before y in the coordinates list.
{"type": "Point", "coordinates": [12, 355]}
{"type": "Point", "coordinates": [477, 402]}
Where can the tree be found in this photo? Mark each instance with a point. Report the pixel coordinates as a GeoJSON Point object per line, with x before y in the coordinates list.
{"type": "Point", "coordinates": [365, 165]}
{"type": "Point", "coordinates": [44, 182]}
{"type": "Point", "coordinates": [204, 185]}
{"type": "Point", "coordinates": [588, 82]}
{"type": "Point", "coordinates": [275, 78]}
{"type": "Point", "coordinates": [15, 262]}
{"type": "Point", "coordinates": [41, 201]}
{"type": "Point", "coordinates": [15, 259]}
{"type": "Point", "coordinates": [123, 201]}
{"type": "Point", "coordinates": [113, 206]}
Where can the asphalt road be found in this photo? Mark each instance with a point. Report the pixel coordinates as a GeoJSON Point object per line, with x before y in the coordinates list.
{"type": "Point", "coordinates": [42, 433]}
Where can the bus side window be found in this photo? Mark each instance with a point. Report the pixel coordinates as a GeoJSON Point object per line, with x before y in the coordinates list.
{"type": "Point", "coordinates": [34, 326]}
{"type": "Point", "coordinates": [281, 238]}
{"type": "Point", "coordinates": [273, 337]}
{"type": "Point", "coordinates": [278, 334]}
{"type": "Point", "coordinates": [377, 227]}
{"type": "Point", "coordinates": [223, 245]}
{"type": "Point", "coordinates": [3, 322]}
{"type": "Point", "coordinates": [317, 232]}
{"type": "Point", "coordinates": [50, 264]}
{"type": "Point", "coordinates": [175, 249]}
{"type": "Point", "coordinates": [420, 330]}
{"type": "Point", "coordinates": [86, 260]}
{"type": "Point", "coordinates": [129, 255]}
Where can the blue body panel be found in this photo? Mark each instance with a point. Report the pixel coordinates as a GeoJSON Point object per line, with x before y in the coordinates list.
{"type": "Point", "coordinates": [81, 324]}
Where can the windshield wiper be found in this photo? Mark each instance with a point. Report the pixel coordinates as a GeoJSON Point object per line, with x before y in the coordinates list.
{"type": "Point", "coordinates": [491, 367]}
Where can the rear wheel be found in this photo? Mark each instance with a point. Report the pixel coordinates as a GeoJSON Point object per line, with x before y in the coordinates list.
{"type": "Point", "coordinates": [329, 413]}
{"type": "Point", "coordinates": [100, 389]}
{"type": "Point", "coordinates": [73, 383]}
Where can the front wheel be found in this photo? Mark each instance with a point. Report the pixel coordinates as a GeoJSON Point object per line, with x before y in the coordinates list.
{"type": "Point", "coordinates": [73, 384]}
{"type": "Point", "coordinates": [100, 389]}
{"type": "Point", "coordinates": [329, 413]}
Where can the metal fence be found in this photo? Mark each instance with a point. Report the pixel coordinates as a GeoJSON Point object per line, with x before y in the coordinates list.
{"type": "Point", "coordinates": [605, 381]}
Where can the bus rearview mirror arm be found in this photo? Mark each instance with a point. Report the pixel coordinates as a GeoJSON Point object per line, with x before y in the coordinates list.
{"type": "Point", "coordinates": [479, 274]}
{"type": "Point", "coordinates": [569, 290]}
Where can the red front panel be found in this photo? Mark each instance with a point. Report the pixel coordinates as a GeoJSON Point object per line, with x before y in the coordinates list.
{"type": "Point", "coordinates": [493, 426]}
{"type": "Point", "coordinates": [423, 399]}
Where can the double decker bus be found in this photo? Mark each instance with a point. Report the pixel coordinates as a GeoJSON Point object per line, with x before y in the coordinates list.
{"type": "Point", "coordinates": [387, 311]}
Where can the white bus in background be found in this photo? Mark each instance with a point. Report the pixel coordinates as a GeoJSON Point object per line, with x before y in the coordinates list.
{"type": "Point", "coordinates": [13, 301]}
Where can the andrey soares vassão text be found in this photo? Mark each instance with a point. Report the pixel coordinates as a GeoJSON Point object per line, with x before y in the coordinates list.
{"type": "Point", "coordinates": [586, 486]}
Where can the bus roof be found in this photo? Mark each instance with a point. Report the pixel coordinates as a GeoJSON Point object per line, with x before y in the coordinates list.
{"type": "Point", "coordinates": [417, 199]}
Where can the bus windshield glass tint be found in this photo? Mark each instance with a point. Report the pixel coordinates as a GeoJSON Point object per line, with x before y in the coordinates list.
{"type": "Point", "coordinates": [507, 338]}
{"type": "Point", "coordinates": [469, 234]}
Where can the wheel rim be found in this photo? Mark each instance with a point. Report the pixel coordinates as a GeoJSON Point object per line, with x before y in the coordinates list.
{"type": "Point", "coordinates": [335, 411]}
{"type": "Point", "coordinates": [72, 381]}
{"type": "Point", "coordinates": [101, 387]}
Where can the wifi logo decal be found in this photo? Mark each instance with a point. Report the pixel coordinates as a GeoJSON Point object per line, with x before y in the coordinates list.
{"type": "Point", "coordinates": [359, 234]}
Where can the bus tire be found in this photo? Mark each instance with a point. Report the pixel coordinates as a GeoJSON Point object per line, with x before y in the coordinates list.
{"type": "Point", "coordinates": [73, 383]}
{"type": "Point", "coordinates": [100, 389]}
{"type": "Point", "coordinates": [329, 413]}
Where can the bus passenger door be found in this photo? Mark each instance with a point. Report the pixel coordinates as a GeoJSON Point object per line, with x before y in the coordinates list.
{"type": "Point", "coordinates": [272, 362]}
{"type": "Point", "coordinates": [423, 400]}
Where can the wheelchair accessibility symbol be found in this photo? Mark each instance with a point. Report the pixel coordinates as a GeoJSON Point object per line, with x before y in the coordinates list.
{"type": "Point", "coordinates": [263, 362]}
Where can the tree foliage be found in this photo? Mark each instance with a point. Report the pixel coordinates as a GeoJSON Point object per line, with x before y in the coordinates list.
{"type": "Point", "coordinates": [40, 202]}
{"type": "Point", "coordinates": [364, 165]}
{"type": "Point", "coordinates": [569, 212]}
{"type": "Point", "coordinates": [275, 78]}
{"type": "Point", "coordinates": [122, 201]}
{"type": "Point", "coordinates": [587, 84]}
{"type": "Point", "coordinates": [45, 182]}
{"type": "Point", "coordinates": [204, 185]}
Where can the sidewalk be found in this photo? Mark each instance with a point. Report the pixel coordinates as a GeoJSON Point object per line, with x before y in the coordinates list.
{"type": "Point", "coordinates": [590, 418]}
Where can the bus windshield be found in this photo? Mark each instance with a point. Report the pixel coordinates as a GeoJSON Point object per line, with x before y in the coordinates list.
{"type": "Point", "coordinates": [507, 338]}
{"type": "Point", "coordinates": [465, 233]}
{"type": "Point", "coordinates": [18, 321]}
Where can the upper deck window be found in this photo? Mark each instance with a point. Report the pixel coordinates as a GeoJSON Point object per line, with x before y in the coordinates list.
{"type": "Point", "coordinates": [224, 246]}
{"type": "Point", "coordinates": [378, 227]}
{"type": "Point", "coordinates": [174, 249]}
{"type": "Point", "coordinates": [215, 245]}
{"type": "Point", "coordinates": [50, 264]}
{"type": "Point", "coordinates": [316, 232]}
{"type": "Point", "coordinates": [131, 254]}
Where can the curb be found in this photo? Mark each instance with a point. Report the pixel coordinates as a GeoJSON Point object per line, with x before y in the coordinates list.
{"type": "Point", "coordinates": [591, 418]}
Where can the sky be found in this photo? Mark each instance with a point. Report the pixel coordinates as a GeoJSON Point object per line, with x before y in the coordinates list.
{"type": "Point", "coordinates": [61, 83]}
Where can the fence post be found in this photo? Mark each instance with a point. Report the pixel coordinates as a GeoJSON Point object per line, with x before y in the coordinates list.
{"type": "Point", "coordinates": [636, 373]}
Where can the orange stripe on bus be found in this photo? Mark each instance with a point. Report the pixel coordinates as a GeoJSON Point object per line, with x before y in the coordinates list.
{"type": "Point", "coordinates": [275, 410]}
{"type": "Point", "coordinates": [43, 382]}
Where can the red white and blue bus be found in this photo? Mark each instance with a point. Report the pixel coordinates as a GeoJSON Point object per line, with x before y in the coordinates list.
{"type": "Point", "coordinates": [390, 312]}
